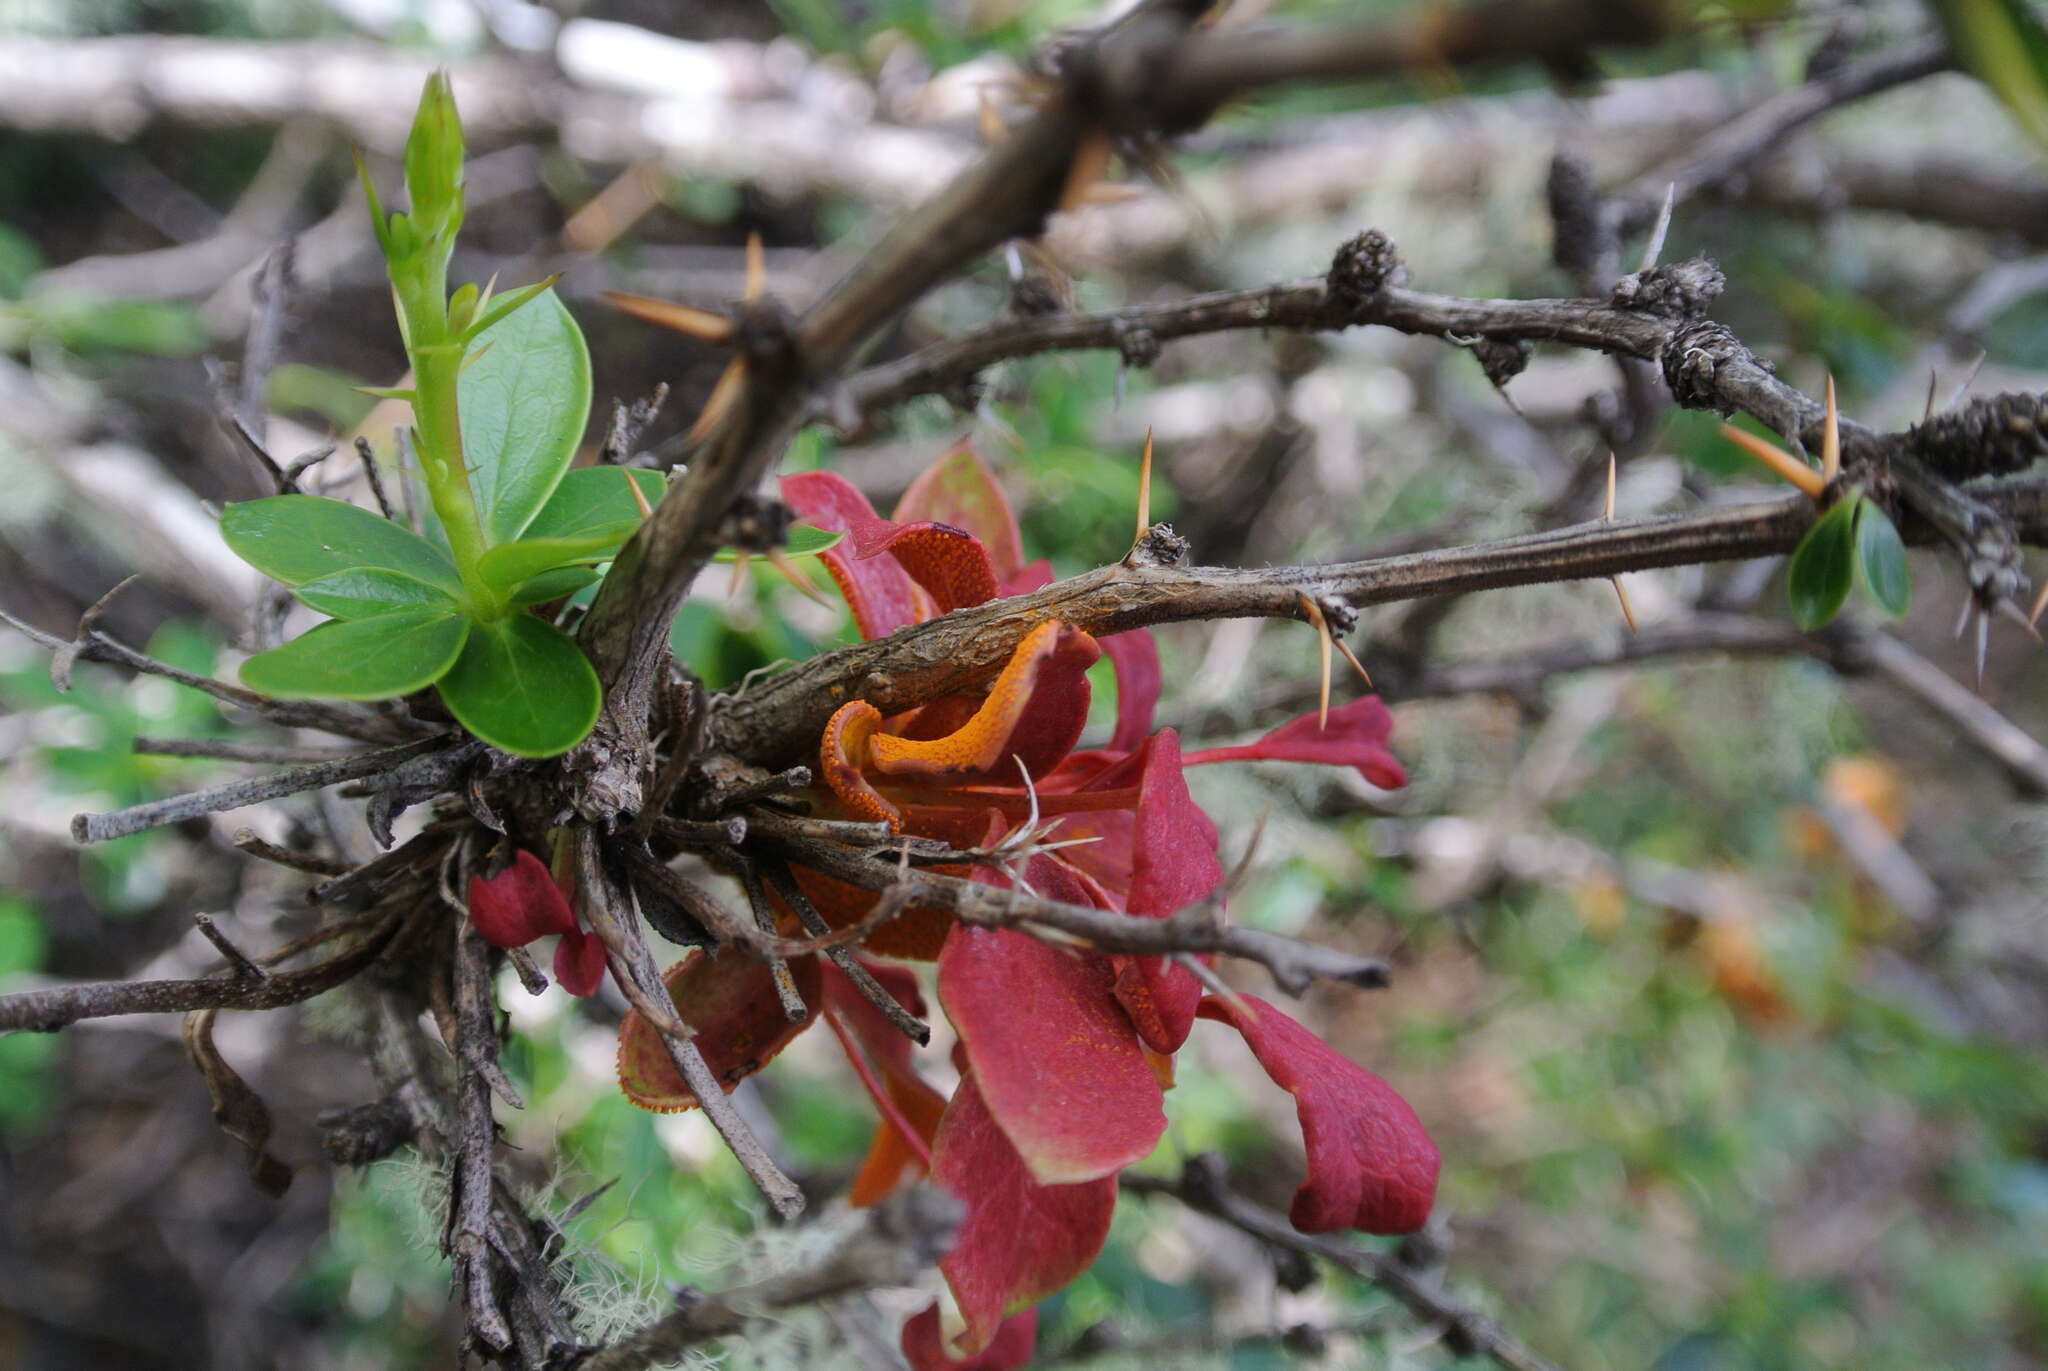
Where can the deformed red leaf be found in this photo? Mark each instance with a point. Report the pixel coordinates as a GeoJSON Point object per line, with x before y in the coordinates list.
{"type": "Point", "coordinates": [730, 1000]}
{"type": "Point", "coordinates": [952, 566]}
{"type": "Point", "coordinates": [959, 489]}
{"type": "Point", "coordinates": [1033, 715]}
{"type": "Point", "coordinates": [519, 904]}
{"type": "Point", "coordinates": [1370, 1164]}
{"type": "Point", "coordinates": [1057, 1058]}
{"type": "Point", "coordinates": [1020, 1241]}
{"type": "Point", "coordinates": [1015, 1340]}
{"type": "Point", "coordinates": [1356, 737]}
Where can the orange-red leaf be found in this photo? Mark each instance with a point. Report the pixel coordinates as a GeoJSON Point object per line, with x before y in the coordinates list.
{"type": "Point", "coordinates": [1173, 865]}
{"type": "Point", "coordinates": [1020, 1241]}
{"type": "Point", "coordinates": [878, 590]}
{"type": "Point", "coordinates": [1033, 715]}
{"type": "Point", "coordinates": [959, 489]}
{"type": "Point", "coordinates": [731, 1001]}
{"type": "Point", "coordinates": [1370, 1164]}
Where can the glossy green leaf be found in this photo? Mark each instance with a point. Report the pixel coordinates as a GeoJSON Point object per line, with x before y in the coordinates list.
{"type": "Point", "coordinates": [1881, 560]}
{"type": "Point", "coordinates": [804, 541]}
{"type": "Point", "coordinates": [522, 407]}
{"type": "Point", "coordinates": [361, 659]}
{"type": "Point", "coordinates": [594, 500]}
{"type": "Point", "coordinates": [1824, 567]}
{"type": "Point", "coordinates": [366, 592]}
{"type": "Point", "coordinates": [523, 686]}
{"type": "Point", "coordinates": [513, 563]}
{"type": "Point", "coordinates": [553, 585]}
{"type": "Point", "coordinates": [589, 518]}
{"type": "Point", "coordinates": [300, 538]}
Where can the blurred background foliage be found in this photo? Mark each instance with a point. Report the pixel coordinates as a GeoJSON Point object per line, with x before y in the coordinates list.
{"type": "Point", "coordinates": [1707, 1098]}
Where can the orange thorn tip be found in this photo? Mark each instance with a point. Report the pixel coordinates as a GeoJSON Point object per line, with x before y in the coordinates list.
{"type": "Point", "coordinates": [1627, 614]}
{"type": "Point", "coordinates": [1356, 665]}
{"type": "Point", "coordinates": [1610, 487]}
{"type": "Point", "coordinates": [1831, 440]}
{"type": "Point", "coordinates": [633, 489]}
{"type": "Point", "coordinates": [1784, 464]}
{"type": "Point", "coordinates": [700, 324]}
{"type": "Point", "coordinates": [757, 268]}
{"type": "Point", "coordinates": [1090, 164]}
{"type": "Point", "coordinates": [808, 588]}
{"type": "Point", "coordinates": [1145, 488]}
{"type": "Point", "coordinates": [723, 397]}
{"type": "Point", "coordinates": [739, 576]}
{"type": "Point", "coordinates": [1314, 612]}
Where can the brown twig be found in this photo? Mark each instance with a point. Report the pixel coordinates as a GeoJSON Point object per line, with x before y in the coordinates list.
{"type": "Point", "coordinates": [1199, 928]}
{"type": "Point", "coordinates": [633, 966]}
{"type": "Point", "coordinates": [1203, 1185]}
{"type": "Point", "coordinates": [98, 828]}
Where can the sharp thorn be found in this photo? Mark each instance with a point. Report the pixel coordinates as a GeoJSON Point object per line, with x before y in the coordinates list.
{"type": "Point", "coordinates": [1144, 489]}
{"type": "Point", "coordinates": [1610, 487]}
{"type": "Point", "coordinates": [1356, 665]}
{"type": "Point", "coordinates": [1314, 612]}
{"type": "Point", "coordinates": [1983, 647]}
{"type": "Point", "coordinates": [639, 498]}
{"type": "Point", "coordinates": [1627, 613]}
{"type": "Point", "coordinates": [2012, 612]}
{"type": "Point", "coordinates": [796, 576]}
{"type": "Point", "coordinates": [1831, 440]}
{"type": "Point", "coordinates": [757, 268]}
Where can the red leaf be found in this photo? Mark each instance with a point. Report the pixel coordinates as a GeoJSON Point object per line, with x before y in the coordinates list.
{"type": "Point", "coordinates": [959, 489]}
{"type": "Point", "coordinates": [1136, 657]}
{"type": "Point", "coordinates": [951, 565]}
{"type": "Point", "coordinates": [1033, 715]}
{"type": "Point", "coordinates": [1370, 1164]}
{"type": "Point", "coordinates": [1173, 865]}
{"type": "Point", "coordinates": [1015, 1340]}
{"type": "Point", "coordinates": [730, 1000]}
{"type": "Point", "coordinates": [579, 962]}
{"type": "Point", "coordinates": [889, 1053]}
{"type": "Point", "coordinates": [1356, 737]}
{"type": "Point", "coordinates": [878, 590]}
{"type": "Point", "coordinates": [1059, 1063]}
{"type": "Point", "coordinates": [1020, 1241]}
{"type": "Point", "coordinates": [519, 904]}
{"type": "Point", "coordinates": [843, 751]}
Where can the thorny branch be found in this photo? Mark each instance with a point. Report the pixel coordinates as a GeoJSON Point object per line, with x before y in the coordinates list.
{"type": "Point", "coordinates": [1149, 74]}
{"type": "Point", "coordinates": [1199, 928]}
{"type": "Point", "coordinates": [1204, 1185]}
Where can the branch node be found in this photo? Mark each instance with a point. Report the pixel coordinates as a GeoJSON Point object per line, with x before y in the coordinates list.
{"type": "Point", "coordinates": [1682, 290]}
{"type": "Point", "coordinates": [1362, 268]}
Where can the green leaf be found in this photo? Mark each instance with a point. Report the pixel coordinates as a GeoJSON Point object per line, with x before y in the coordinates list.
{"type": "Point", "coordinates": [2004, 45]}
{"type": "Point", "coordinates": [804, 541]}
{"type": "Point", "coordinates": [1881, 560]}
{"type": "Point", "coordinates": [361, 659]}
{"type": "Point", "coordinates": [553, 585]}
{"type": "Point", "coordinates": [522, 409]}
{"type": "Point", "coordinates": [1824, 567]}
{"type": "Point", "coordinates": [597, 500]}
{"type": "Point", "coordinates": [512, 563]}
{"type": "Point", "coordinates": [591, 514]}
{"type": "Point", "coordinates": [300, 538]}
{"type": "Point", "coordinates": [523, 686]}
{"type": "Point", "coordinates": [493, 312]}
{"type": "Point", "coordinates": [366, 592]}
